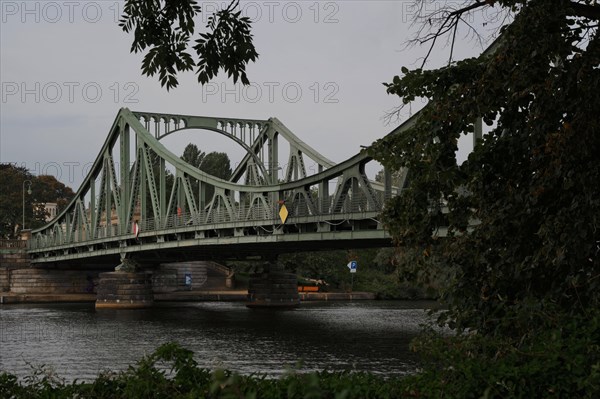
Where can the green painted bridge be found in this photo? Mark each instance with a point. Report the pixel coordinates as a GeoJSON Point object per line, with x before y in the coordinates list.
{"type": "Point", "coordinates": [142, 201]}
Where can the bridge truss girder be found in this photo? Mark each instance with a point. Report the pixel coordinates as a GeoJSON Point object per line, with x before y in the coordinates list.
{"type": "Point", "coordinates": [169, 200]}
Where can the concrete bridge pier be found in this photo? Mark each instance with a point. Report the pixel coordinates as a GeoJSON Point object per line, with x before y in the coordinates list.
{"type": "Point", "coordinates": [124, 290]}
{"type": "Point", "coordinates": [273, 288]}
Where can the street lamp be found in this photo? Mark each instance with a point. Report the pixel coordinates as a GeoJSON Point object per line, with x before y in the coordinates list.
{"type": "Point", "coordinates": [28, 192]}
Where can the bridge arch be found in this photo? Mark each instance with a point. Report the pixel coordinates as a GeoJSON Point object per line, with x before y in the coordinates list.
{"type": "Point", "coordinates": [236, 140]}
{"type": "Point", "coordinates": [242, 132]}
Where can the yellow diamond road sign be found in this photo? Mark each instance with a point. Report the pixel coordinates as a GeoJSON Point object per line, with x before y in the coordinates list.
{"type": "Point", "coordinates": [283, 213]}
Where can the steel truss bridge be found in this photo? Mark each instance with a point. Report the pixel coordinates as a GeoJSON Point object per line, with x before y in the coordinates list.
{"type": "Point", "coordinates": [142, 201]}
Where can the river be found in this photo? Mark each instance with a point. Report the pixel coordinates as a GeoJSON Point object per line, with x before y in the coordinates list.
{"type": "Point", "coordinates": [75, 341]}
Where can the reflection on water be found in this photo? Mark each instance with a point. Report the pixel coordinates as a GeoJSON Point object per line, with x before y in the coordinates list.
{"type": "Point", "coordinates": [78, 342]}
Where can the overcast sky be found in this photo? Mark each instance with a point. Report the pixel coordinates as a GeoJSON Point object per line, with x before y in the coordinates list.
{"type": "Point", "coordinates": [66, 70]}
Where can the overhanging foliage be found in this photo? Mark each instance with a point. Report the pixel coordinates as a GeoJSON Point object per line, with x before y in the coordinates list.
{"type": "Point", "coordinates": [524, 209]}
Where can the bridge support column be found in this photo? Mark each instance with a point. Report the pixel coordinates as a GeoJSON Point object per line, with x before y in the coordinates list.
{"type": "Point", "coordinates": [123, 290]}
{"type": "Point", "coordinates": [273, 288]}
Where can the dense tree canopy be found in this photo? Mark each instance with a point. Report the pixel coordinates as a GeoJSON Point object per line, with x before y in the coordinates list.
{"type": "Point", "coordinates": [524, 209]}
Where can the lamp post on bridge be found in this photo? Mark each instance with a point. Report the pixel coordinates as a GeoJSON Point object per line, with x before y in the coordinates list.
{"type": "Point", "coordinates": [28, 192]}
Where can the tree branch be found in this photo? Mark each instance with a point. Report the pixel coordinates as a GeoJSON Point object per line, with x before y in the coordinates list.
{"type": "Point", "coordinates": [586, 10]}
{"type": "Point", "coordinates": [450, 22]}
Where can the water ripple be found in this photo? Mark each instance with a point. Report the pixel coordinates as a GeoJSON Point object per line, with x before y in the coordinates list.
{"type": "Point", "coordinates": [78, 342]}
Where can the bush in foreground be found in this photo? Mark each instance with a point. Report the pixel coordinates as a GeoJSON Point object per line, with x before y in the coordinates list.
{"type": "Point", "coordinates": [561, 361]}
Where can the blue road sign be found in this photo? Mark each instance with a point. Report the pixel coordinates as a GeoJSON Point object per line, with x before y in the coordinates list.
{"type": "Point", "coordinates": [352, 265]}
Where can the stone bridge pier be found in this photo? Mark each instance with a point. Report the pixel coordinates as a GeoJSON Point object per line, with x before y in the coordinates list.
{"type": "Point", "coordinates": [124, 290]}
{"type": "Point", "coordinates": [135, 289]}
{"type": "Point", "coordinates": [273, 288]}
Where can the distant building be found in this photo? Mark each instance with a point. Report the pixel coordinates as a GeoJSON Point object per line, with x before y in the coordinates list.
{"type": "Point", "coordinates": [51, 210]}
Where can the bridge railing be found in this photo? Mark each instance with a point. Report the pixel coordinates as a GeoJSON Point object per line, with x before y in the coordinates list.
{"type": "Point", "coordinates": [259, 213]}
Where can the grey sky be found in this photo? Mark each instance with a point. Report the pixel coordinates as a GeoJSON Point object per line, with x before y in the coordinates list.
{"type": "Point", "coordinates": [66, 70]}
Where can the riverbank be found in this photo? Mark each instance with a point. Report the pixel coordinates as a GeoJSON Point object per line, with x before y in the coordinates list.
{"type": "Point", "coordinates": [181, 296]}
{"type": "Point", "coordinates": [14, 298]}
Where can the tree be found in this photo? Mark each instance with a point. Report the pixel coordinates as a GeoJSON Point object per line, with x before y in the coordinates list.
{"type": "Point", "coordinates": [47, 189]}
{"type": "Point", "coordinates": [214, 163]}
{"type": "Point", "coordinates": [192, 155]}
{"type": "Point", "coordinates": [523, 212]}
{"type": "Point", "coordinates": [169, 178]}
{"type": "Point", "coordinates": [44, 189]}
{"type": "Point", "coordinates": [11, 211]}
{"type": "Point", "coordinates": [398, 178]}
{"type": "Point", "coordinates": [217, 164]}
{"type": "Point", "coordinates": [165, 28]}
